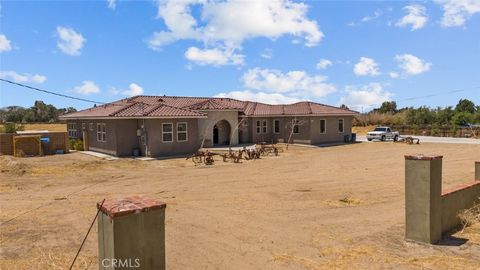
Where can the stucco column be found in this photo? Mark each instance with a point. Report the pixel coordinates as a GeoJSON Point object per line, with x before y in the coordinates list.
{"type": "Point", "coordinates": [131, 234]}
{"type": "Point", "coordinates": [423, 191]}
{"type": "Point", "coordinates": [477, 170]}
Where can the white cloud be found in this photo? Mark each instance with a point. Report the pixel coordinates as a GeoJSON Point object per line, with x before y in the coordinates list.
{"type": "Point", "coordinates": [269, 98]}
{"type": "Point", "coordinates": [5, 44]}
{"type": "Point", "coordinates": [215, 57]}
{"type": "Point", "coordinates": [223, 24]}
{"type": "Point", "coordinates": [457, 12]}
{"type": "Point", "coordinates": [267, 54]}
{"type": "Point", "coordinates": [133, 90]}
{"type": "Point", "coordinates": [22, 78]}
{"type": "Point", "coordinates": [366, 67]}
{"type": "Point", "coordinates": [111, 4]}
{"type": "Point", "coordinates": [367, 18]}
{"type": "Point", "coordinates": [416, 17]}
{"type": "Point", "coordinates": [411, 64]}
{"type": "Point", "coordinates": [294, 83]}
{"type": "Point", "coordinates": [394, 75]}
{"type": "Point", "coordinates": [70, 42]}
{"type": "Point", "coordinates": [364, 97]}
{"type": "Point", "coordinates": [323, 63]}
{"type": "Point", "coordinates": [87, 87]}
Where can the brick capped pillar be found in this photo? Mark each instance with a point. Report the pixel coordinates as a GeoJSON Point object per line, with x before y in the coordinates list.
{"type": "Point", "coordinates": [131, 234]}
{"type": "Point", "coordinates": [423, 201]}
{"type": "Point", "coordinates": [477, 170]}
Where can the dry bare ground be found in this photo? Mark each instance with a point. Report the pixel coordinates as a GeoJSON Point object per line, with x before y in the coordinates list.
{"type": "Point", "coordinates": [310, 208]}
{"type": "Point", "coordinates": [42, 126]}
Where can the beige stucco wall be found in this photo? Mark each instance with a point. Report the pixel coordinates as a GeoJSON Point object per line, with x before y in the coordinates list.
{"type": "Point", "coordinates": [107, 147]}
{"type": "Point", "coordinates": [456, 201]}
{"type": "Point", "coordinates": [205, 126]}
{"type": "Point", "coordinates": [332, 134]}
{"type": "Point", "coordinates": [158, 148]}
{"type": "Point", "coordinates": [309, 130]}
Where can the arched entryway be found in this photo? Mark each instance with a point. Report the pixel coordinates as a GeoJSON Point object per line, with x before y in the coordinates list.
{"type": "Point", "coordinates": [221, 133]}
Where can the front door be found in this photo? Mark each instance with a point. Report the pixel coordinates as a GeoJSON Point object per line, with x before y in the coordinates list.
{"type": "Point", "coordinates": [215, 134]}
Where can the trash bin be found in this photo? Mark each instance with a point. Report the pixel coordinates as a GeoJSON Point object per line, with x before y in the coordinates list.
{"type": "Point", "coordinates": [354, 137]}
{"type": "Point", "coordinates": [136, 152]}
{"type": "Point", "coordinates": [346, 138]}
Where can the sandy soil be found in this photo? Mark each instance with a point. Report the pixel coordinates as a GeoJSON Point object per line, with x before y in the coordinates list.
{"type": "Point", "coordinates": [281, 212]}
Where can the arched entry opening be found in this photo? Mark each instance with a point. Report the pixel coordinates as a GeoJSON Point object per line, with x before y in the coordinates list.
{"type": "Point", "coordinates": [221, 133]}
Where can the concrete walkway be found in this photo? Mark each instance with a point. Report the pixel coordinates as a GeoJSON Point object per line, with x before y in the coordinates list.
{"type": "Point", "coordinates": [99, 155]}
{"type": "Point", "coordinates": [430, 139]}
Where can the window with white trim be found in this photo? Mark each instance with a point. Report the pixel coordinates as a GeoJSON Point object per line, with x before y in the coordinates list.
{"type": "Point", "coordinates": [167, 132]}
{"type": "Point", "coordinates": [276, 126]}
{"type": "Point", "coordinates": [91, 126]}
{"type": "Point", "coordinates": [340, 125]}
{"type": "Point", "coordinates": [84, 126]}
{"type": "Point", "coordinates": [101, 132]}
{"type": "Point", "coordinates": [264, 126]}
{"type": "Point", "coordinates": [182, 133]}
{"type": "Point", "coordinates": [259, 127]}
{"type": "Point", "coordinates": [72, 130]}
{"type": "Point", "coordinates": [323, 126]}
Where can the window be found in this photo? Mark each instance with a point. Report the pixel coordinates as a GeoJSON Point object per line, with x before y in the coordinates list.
{"type": "Point", "coordinates": [296, 128]}
{"type": "Point", "coordinates": [276, 126]}
{"type": "Point", "coordinates": [182, 135]}
{"type": "Point", "coordinates": [72, 130]}
{"type": "Point", "coordinates": [258, 127]}
{"type": "Point", "coordinates": [264, 126]}
{"type": "Point", "coordinates": [340, 125]}
{"type": "Point", "coordinates": [323, 126]}
{"type": "Point", "coordinates": [91, 126]}
{"type": "Point", "coordinates": [84, 126]}
{"type": "Point", "coordinates": [101, 132]}
{"type": "Point", "coordinates": [167, 132]}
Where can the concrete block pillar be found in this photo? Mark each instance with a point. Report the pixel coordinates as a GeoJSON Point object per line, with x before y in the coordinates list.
{"type": "Point", "coordinates": [477, 170]}
{"type": "Point", "coordinates": [131, 234]}
{"type": "Point", "coordinates": [423, 201]}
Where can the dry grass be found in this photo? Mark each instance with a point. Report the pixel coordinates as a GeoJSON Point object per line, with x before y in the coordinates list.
{"type": "Point", "coordinates": [362, 130]}
{"type": "Point", "coordinates": [42, 126]}
{"type": "Point", "coordinates": [470, 216]}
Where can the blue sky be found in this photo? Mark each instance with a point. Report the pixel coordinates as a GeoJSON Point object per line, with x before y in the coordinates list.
{"type": "Point", "coordinates": [355, 52]}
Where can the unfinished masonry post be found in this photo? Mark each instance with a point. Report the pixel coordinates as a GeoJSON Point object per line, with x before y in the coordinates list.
{"type": "Point", "coordinates": [423, 202]}
{"type": "Point", "coordinates": [477, 170]}
{"type": "Point", "coordinates": [131, 234]}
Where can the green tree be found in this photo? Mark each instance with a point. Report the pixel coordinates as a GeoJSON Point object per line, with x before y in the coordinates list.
{"type": "Point", "coordinates": [462, 118]}
{"type": "Point", "coordinates": [387, 107]}
{"type": "Point", "coordinates": [465, 105]}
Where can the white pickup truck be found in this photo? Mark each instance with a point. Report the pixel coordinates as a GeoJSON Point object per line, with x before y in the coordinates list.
{"type": "Point", "coordinates": [383, 133]}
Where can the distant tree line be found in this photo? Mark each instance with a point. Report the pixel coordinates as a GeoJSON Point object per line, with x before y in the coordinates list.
{"type": "Point", "coordinates": [39, 112]}
{"type": "Point", "coordinates": [463, 114]}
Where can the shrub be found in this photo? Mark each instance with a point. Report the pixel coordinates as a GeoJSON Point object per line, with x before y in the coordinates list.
{"type": "Point", "coordinates": [11, 127]}
{"type": "Point", "coordinates": [76, 144]}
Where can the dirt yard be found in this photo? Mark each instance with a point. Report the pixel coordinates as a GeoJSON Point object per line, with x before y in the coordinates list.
{"type": "Point", "coordinates": [338, 207]}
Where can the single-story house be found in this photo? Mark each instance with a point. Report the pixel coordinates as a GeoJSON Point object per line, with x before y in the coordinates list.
{"type": "Point", "coordinates": [167, 125]}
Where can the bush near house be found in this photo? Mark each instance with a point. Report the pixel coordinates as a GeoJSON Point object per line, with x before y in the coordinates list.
{"type": "Point", "coordinates": [76, 144]}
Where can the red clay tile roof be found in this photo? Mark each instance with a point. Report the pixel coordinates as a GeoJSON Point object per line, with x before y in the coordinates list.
{"type": "Point", "coordinates": [171, 106]}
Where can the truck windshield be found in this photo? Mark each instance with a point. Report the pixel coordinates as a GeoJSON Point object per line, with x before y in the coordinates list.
{"type": "Point", "coordinates": [380, 129]}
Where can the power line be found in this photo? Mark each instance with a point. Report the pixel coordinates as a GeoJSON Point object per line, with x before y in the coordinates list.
{"type": "Point", "coordinates": [422, 97]}
{"type": "Point", "coordinates": [51, 92]}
